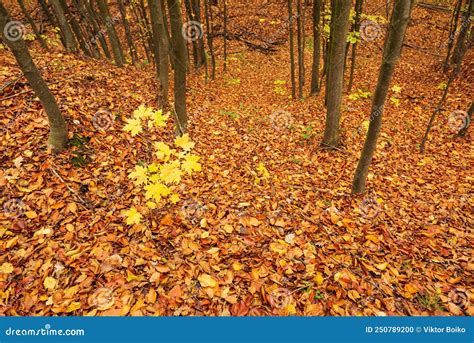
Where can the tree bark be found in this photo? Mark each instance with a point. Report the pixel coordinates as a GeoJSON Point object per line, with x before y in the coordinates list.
{"type": "Point", "coordinates": [58, 130]}
{"type": "Point", "coordinates": [292, 53]}
{"type": "Point", "coordinates": [316, 46]}
{"type": "Point", "coordinates": [128, 34]}
{"type": "Point", "coordinates": [335, 76]}
{"type": "Point", "coordinates": [114, 40]}
{"type": "Point", "coordinates": [461, 43]}
{"type": "Point", "coordinates": [69, 40]}
{"type": "Point", "coordinates": [392, 49]}
{"type": "Point", "coordinates": [358, 10]}
{"type": "Point", "coordinates": [209, 35]}
{"type": "Point", "coordinates": [33, 24]}
{"type": "Point", "coordinates": [179, 56]}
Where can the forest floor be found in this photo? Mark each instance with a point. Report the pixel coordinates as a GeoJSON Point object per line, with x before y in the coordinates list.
{"type": "Point", "coordinates": [241, 242]}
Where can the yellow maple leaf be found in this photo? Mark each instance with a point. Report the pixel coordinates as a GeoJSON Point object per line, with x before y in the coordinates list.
{"type": "Point", "coordinates": [184, 142]}
{"type": "Point", "coordinates": [207, 280]}
{"type": "Point", "coordinates": [159, 120]}
{"type": "Point", "coordinates": [163, 151]}
{"type": "Point", "coordinates": [50, 282]}
{"type": "Point", "coordinates": [174, 198]}
{"type": "Point", "coordinates": [142, 112]}
{"type": "Point", "coordinates": [6, 268]}
{"type": "Point", "coordinates": [156, 191]}
{"type": "Point", "coordinates": [134, 126]}
{"type": "Point", "coordinates": [191, 164]}
{"type": "Point", "coordinates": [139, 175]}
{"type": "Point", "coordinates": [396, 89]}
{"type": "Point", "coordinates": [170, 172]}
{"type": "Point", "coordinates": [132, 216]}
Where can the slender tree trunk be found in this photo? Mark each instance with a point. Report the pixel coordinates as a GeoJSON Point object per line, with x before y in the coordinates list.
{"type": "Point", "coordinates": [358, 11]}
{"type": "Point", "coordinates": [161, 46]}
{"type": "Point", "coordinates": [200, 41]}
{"type": "Point", "coordinates": [98, 34]}
{"type": "Point", "coordinates": [128, 34]}
{"type": "Point", "coordinates": [392, 49]}
{"type": "Point", "coordinates": [316, 46]}
{"type": "Point", "coordinates": [75, 28]}
{"type": "Point", "coordinates": [69, 40]}
{"type": "Point", "coordinates": [33, 24]}
{"type": "Point", "coordinates": [209, 36]}
{"type": "Point", "coordinates": [180, 65]}
{"type": "Point", "coordinates": [114, 40]}
{"type": "Point", "coordinates": [225, 35]}
{"type": "Point", "coordinates": [292, 53]}
{"type": "Point", "coordinates": [461, 43]}
{"type": "Point", "coordinates": [300, 44]}
{"type": "Point", "coordinates": [143, 33]}
{"type": "Point", "coordinates": [452, 33]}
{"type": "Point", "coordinates": [89, 28]}
{"type": "Point", "coordinates": [335, 76]}
{"type": "Point", "coordinates": [57, 125]}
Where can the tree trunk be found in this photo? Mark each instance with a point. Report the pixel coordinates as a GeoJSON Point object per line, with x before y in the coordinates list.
{"type": "Point", "coordinates": [58, 129]}
{"type": "Point", "coordinates": [128, 34]}
{"type": "Point", "coordinates": [69, 40]}
{"type": "Point", "coordinates": [89, 28]}
{"type": "Point", "coordinates": [209, 36]}
{"type": "Point", "coordinates": [292, 53]}
{"type": "Point", "coordinates": [461, 43]}
{"type": "Point", "coordinates": [316, 46]}
{"type": "Point", "coordinates": [180, 65]}
{"type": "Point", "coordinates": [358, 10]}
{"type": "Point", "coordinates": [97, 30]}
{"type": "Point", "coordinates": [114, 40]}
{"type": "Point", "coordinates": [452, 33]}
{"type": "Point", "coordinates": [161, 44]}
{"type": "Point", "coordinates": [75, 28]}
{"type": "Point", "coordinates": [225, 35]}
{"type": "Point", "coordinates": [300, 44]}
{"type": "Point", "coordinates": [335, 76]}
{"type": "Point", "coordinates": [391, 53]}
{"type": "Point", "coordinates": [33, 24]}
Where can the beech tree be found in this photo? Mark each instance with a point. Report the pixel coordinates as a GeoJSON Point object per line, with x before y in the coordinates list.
{"type": "Point", "coordinates": [66, 32]}
{"type": "Point", "coordinates": [180, 58]}
{"type": "Point", "coordinates": [335, 71]}
{"type": "Point", "coordinates": [393, 46]}
{"type": "Point", "coordinates": [57, 125]}
{"type": "Point", "coordinates": [316, 46]}
{"type": "Point", "coordinates": [114, 40]}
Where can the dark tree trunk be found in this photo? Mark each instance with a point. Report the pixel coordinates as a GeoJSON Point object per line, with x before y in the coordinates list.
{"type": "Point", "coordinates": [335, 75]}
{"type": "Point", "coordinates": [69, 40]}
{"type": "Point", "coordinates": [180, 65]}
{"type": "Point", "coordinates": [391, 54]}
{"type": "Point", "coordinates": [57, 125]}
{"type": "Point", "coordinates": [33, 24]}
{"type": "Point", "coordinates": [114, 40]}
{"type": "Point", "coordinates": [461, 43]}
{"type": "Point", "coordinates": [128, 34]}
{"type": "Point", "coordinates": [98, 34]}
{"type": "Point", "coordinates": [358, 11]}
{"type": "Point", "coordinates": [292, 53]}
{"type": "Point", "coordinates": [316, 46]}
{"type": "Point", "coordinates": [209, 35]}
{"type": "Point", "coordinates": [75, 28]}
